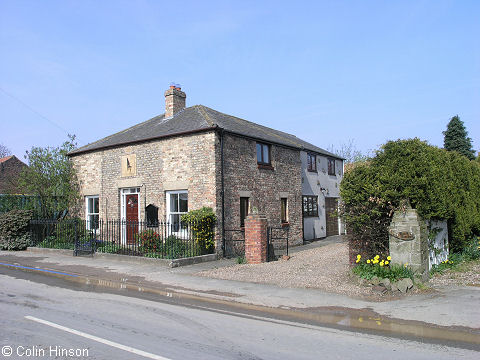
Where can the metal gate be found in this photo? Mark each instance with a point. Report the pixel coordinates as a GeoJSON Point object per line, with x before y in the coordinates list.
{"type": "Point", "coordinates": [234, 243]}
{"type": "Point", "coordinates": [277, 242]}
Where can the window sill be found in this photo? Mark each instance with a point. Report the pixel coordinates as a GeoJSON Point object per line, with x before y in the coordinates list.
{"type": "Point", "coordinates": [285, 224]}
{"type": "Point", "coordinates": [312, 171]}
{"type": "Point", "coordinates": [265, 166]}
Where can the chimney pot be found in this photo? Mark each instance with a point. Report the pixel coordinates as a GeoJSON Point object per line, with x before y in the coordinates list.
{"type": "Point", "coordinates": [174, 100]}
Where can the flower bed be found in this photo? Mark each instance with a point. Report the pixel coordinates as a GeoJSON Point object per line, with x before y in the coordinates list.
{"type": "Point", "coordinates": [379, 271]}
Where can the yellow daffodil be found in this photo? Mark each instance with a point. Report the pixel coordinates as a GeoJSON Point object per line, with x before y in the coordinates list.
{"type": "Point", "coordinates": [389, 258]}
{"type": "Point", "coordinates": [368, 261]}
{"type": "Point", "coordinates": [377, 257]}
{"type": "Point", "coordinates": [386, 263]}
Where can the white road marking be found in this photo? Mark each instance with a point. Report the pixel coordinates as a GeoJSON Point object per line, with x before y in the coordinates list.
{"type": "Point", "coordinates": [98, 339]}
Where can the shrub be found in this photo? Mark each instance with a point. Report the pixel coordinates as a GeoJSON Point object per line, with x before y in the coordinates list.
{"type": "Point", "coordinates": [438, 183]}
{"type": "Point", "coordinates": [149, 241]}
{"type": "Point", "coordinates": [471, 252]}
{"type": "Point", "coordinates": [202, 224]}
{"type": "Point", "coordinates": [108, 247]}
{"type": "Point", "coordinates": [14, 229]}
{"type": "Point", "coordinates": [176, 248]}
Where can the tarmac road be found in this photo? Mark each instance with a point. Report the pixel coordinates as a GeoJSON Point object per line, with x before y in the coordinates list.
{"type": "Point", "coordinates": [44, 317]}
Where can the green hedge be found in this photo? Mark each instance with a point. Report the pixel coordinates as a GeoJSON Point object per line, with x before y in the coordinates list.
{"type": "Point", "coordinates": [14, 229]}
{"type": "Point", "coordinates": [19, 202]}
{"type": "Point", "coordinates": [438, 183]}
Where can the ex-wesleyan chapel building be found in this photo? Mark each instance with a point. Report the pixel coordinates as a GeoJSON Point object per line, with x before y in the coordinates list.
{"type": "Point", "coordinates": [193, 157]}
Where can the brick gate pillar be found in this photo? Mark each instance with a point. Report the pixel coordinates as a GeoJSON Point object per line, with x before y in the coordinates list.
{"type": "Point", "coordinates": [255, 239]}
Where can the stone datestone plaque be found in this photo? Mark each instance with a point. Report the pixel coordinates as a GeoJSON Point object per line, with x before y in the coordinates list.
{"type": "Point", "coordinates": [129, 165]}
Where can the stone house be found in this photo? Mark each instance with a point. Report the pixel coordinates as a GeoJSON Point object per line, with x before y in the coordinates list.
{"type": "Point", "coordinates": [10, 169]}
{"type": "Point", "coordinates": [191, 157]}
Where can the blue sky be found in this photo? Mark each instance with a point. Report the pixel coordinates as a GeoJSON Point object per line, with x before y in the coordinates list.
{"type": "Point", "coordinates": [326, 71]}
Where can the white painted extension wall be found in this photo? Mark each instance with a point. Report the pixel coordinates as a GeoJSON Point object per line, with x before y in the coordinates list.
{"type": "Point", "coordinates": [315, 227]}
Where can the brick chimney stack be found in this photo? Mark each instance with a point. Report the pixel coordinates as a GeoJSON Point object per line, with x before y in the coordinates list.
{"type": "Point", "coordinates": [174, 100]}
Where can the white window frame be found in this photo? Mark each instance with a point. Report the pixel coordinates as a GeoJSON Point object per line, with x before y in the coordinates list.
{"type": "Point", "coordinates": [88, 213]}
{"type": "Point", "coordinates": [170, 213]}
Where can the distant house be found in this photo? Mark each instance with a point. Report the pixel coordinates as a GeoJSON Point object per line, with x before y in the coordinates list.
{"type": "Point", "coordinates": [195, 156]}
{"type": "Point", "coordinates": [10, 169]}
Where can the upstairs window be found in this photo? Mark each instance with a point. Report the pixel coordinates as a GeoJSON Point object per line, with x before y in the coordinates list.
{"type": "Point", "coordinates": [310, 206]}
{"type": "Point", "coordinates": [312, 162]}
{"type": "Point", "coordinates": [263, 154]}
{"type": "Point", "coordinates": [331, 166]}
{"type": "Point", "coordinates": [243, 210]}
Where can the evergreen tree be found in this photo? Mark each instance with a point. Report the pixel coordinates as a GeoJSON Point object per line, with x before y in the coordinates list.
{"type": "Point", "coordinates": [456, 139]}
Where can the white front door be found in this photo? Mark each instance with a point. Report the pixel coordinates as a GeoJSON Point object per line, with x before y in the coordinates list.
{"type": "Point", "coordinates": [177, 205]}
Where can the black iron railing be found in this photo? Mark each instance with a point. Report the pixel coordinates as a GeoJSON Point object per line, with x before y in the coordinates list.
{"type": "Point", "coordinates": [136, 238]}
{"type": "Point", "coordinates": [234, 243]}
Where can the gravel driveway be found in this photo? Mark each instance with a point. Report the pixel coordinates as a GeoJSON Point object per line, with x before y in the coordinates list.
{"type": "Point", "coordinates": [323, 267]}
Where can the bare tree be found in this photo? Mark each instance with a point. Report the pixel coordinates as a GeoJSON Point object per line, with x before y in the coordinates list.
{"type": "Point", "coordinates": [4, 151]}
{"type": "Point", "coordinates": [349, 152]}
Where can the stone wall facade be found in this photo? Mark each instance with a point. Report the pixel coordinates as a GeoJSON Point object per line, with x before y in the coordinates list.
{"type": "Point", "coordinates": [193, 163]}
{"type": "Point", "coordinates": [263, 186]}
{"type": "Point", "coordinates": [177, 163]}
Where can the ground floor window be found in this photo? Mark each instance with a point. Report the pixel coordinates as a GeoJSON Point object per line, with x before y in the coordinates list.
{"type": "Point", "coordinates": [284, 210]}
{"type": "Point", "coordinates": [243, 210]}
{"type": "Point", "coordinates": [92, 211]}
{"type": "Point", "coordinates": [310, 205]}
{"type": "Point", "coordinates": [177, 205]}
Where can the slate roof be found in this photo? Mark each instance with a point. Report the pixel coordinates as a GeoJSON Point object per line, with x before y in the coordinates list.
{"type": "Point", "coordinates": [199, 118]}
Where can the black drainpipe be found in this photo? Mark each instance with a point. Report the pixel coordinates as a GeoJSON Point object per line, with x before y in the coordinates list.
{"type": "Point", "coordinates": [222, 191]}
